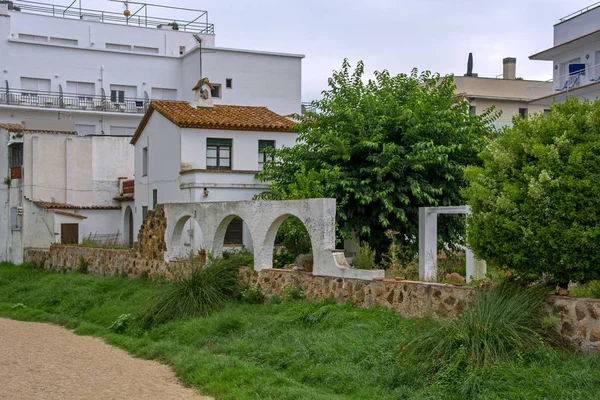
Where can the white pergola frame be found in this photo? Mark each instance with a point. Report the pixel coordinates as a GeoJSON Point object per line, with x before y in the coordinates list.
{"type": "Point", "coordinates": [476, 269]}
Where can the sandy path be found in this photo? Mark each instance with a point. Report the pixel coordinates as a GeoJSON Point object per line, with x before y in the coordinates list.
{"type": "Point", "coordinates": [47, 362]}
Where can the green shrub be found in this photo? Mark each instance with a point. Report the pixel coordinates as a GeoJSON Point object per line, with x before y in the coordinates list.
{"type": "Point", "coordinates": [252, 295]}
{"type": "Point", "coordinates": [364, 257]}
{"type": "Point", "coordinates": [241, 257]}
{"type": "Point", "coordinates": [591, 289]}
{"type": "Point", "coordinates": [203, 290]}
{"type": "Point", "coordinates": [275, 299]}
{"type": "Point", "coordinates": [305, 260]}
{"type": "Point", "coordinates": [282, 257]}
{"type": "Point", "coordinates": [503, 322]}
{"type": "Point", "coordinates": [291, 292]}
{"type": "Point", "coordinates": [535, 201]}
{"type": "Point", "coordinates": [83, 265]}
{"type": "Point", "coordinates": [121, 323]}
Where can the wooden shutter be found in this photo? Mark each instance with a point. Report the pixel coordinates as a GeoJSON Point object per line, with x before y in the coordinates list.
{"type": "Point", "coordinates": [69, 233]}
{"type": "Point", "coordinates": [233, 235]}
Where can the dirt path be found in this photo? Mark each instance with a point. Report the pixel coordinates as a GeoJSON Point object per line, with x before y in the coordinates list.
{"type": "Point", "coordinates": [47, 362]}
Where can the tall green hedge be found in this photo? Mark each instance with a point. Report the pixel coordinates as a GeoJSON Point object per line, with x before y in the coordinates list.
{"type": "Point", "coordinates": [536, 200]}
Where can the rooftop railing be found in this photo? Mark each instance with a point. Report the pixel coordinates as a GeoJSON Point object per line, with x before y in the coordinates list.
{"type": "Point", "coordinates": [72, 101]}
{"type": "Point", "coordinates": [138, 17]}
{"type": "Point", "coordinates": [579, 12]}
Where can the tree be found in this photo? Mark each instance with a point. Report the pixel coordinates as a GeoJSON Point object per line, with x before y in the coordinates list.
{"type": "Point", "coordinates": [382, 149]}
{"type": "Point", "coordinates": [536, 199]}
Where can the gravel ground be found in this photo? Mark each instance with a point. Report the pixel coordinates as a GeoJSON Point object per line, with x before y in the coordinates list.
{"type": "Point", "coordinates": [47, 362]}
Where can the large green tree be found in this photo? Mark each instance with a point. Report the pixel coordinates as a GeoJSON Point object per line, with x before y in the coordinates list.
{"type": "Point", "coordinates": [382, 148]}
{"type": "Point", "coordinates": [536, 200]}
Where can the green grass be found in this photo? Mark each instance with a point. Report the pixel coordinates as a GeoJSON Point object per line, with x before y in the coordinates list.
{"type": "Point", "coordinates": [292, 350]}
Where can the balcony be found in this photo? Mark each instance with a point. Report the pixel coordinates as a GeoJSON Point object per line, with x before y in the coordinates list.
{"type": "Point", "coordinates": [186, 19]}
{"type": "Point", "coordinates": [70, 101]}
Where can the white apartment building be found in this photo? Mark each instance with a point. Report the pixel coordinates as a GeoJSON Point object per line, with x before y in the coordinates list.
{"type": "Point", "coordinates": [575, 57]}
{"type": "Point", "coordinates": [100, 68]}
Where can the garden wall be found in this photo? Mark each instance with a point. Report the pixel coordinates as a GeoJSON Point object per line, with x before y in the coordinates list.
{"type": "Point", "coordinates": [577, 319]}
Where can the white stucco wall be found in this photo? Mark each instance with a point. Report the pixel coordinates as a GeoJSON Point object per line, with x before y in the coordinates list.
{"type": "Point", "coordinates": [100, 222]}
{"type": "Point", "coordinates": [60, 219]}
{"type": "Point", "coordinates": [39, 229]}
{"type": "Point", "coordinates": [578, 26]}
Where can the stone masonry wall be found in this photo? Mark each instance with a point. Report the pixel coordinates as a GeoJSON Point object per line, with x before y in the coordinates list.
{"type": "Point", "coordinates": [151, 238]}
{"type": "Point", "coordinates": [577, 319]}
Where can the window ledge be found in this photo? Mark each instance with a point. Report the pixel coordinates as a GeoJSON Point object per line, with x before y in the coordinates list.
{"type": "Point", "coordinates": [218, 171]}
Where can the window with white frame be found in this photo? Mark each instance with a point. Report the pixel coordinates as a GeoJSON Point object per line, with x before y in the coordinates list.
{"type": "Point", "coordinates": [118, 93]}
{"type": "Point", "coordinates": [122, 130]}
{"type": "Point", "coordinates": [83, 129]}
{"type": "Point", "coordinates": [218, 154]}
{"type": "Point", "coordinates": [119, 47]}
{"type": "Point", "coordinates": [164, 94]}
{"type": "Point", "coordinates": [33, 38]}
{"type": "Point", "coordinates": [262, 155]}
{"type": "Point", "coordinates": [31, 86]}
{"type": "Point", "coordinates": [216, 91]}
{"type": "Point", "coordinates": [64, 42]}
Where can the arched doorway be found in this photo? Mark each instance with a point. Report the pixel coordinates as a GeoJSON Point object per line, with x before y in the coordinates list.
{"type": "Point", "coordinates": [128, 227]}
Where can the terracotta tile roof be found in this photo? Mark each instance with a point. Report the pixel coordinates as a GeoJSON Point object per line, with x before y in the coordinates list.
{"type": "Point", "coordinates": [70, 214]}
{"type": "Point", "coordinates": [241, 118]}
{"type": "Point", "coordinates": [12, 127]}
{"type": "Point", "coordinates": [48, 205]}
{"type": "Point", "coordinates": [124, 198]}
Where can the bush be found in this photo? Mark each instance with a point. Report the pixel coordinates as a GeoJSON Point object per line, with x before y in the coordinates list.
{"type": "Point", "coordinates": [203, 290]}
{"type": "Point", "coordinates": [502, 323]}
{"type": "Point", "coordinates": [252, 295]}
{"type": "Point", "coordinates": [535, 201]}
{"type": "Point", "coordinates": [241, 257]}
{"type": "Point", "coordinates": [364, 257]}
{"type": "Point", "coordinates": [83, 265]}
{"type": "Point", "coordinates": [121, 323]}
{"type": "Point", "coordinates": [291, 292]}
{"type": "Point", "coordinates": [305, 260]}
{"type": "Point", "coordinates": [591, 289]}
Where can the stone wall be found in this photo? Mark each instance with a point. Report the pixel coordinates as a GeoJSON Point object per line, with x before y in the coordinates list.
{"type": "Point", "coordinates": [151, 238]}
{"type": "Point", "coordinates": [577, 319]}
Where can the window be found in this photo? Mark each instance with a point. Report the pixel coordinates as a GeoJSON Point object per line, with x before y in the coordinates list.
{"type": "Point", "coordinates": [33, 38]}
{"type": "Point", "coordinates": [147, 50]}
{"type": "Point", "coordinates": [523, 113]}
{"type": "Point", "coordinates": [229, 83]}
{"type": "Point", "coordinates": [118, 93]}
{"type": "Point", "coordinates": [119, 47]}
{"type": "Point", "coordinates": [154, 198]}
{"type": "Point", "coordinates": [117, 96]}
{"type": "Point", "coordinates": [473, 110]}
{"type": "Point", "coordinates": [64, 42]}
{"type": "Point", "coordinates": [234, 232]}
{"type": "Point", "coordinates": [144, 161]}
{"type": "Point", "coordinates": [84, 90]}
{"type": "Point", "coordinates": [216, 91]}
{"type": "Point", "coordinates": [218, 153]}
{"type": "Point", "coordinates": [262, 156]}
{"type": "Point", "coordinates": [30, 85]}
{"type": "Point", "coordinates": [122, 130]}
{"type": "Point", "coordinates": [546, 111]}
{"type": "Point", "coordinates": [85, 129]}
{"type": "Point", "coordinates": [144, 213]}
{"type": "Point", "coordinates": [15, 155]}
{"type": "Point", "coordinates": [15, 224]}
{"type": "Point", "coordinates": [181, 50]}
{"type": "Point", "coordinates": [164, 94]}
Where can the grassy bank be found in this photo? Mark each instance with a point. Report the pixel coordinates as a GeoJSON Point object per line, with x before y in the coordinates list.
{"type": "Point", "coordinates": [293, 350]}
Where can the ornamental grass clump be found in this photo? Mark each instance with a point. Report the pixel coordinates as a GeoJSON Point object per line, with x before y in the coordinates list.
{"type": "Point", "coordinates": [202, 291]}
{"type": "Point", "coordinates": [502, 323]}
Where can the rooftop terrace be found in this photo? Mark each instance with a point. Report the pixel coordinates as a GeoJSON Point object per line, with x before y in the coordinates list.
{"type": "Point", "coordinates": [134, 14]}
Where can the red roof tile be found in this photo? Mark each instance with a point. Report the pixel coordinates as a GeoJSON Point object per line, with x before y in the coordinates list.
{"type": "Point", "coordinates": [12, 127]}
{"type": "Point", "coordinates": [70, 214]}
{"type": "Point", "coordinates": [242, 118]}
{"type": "Point", "coordinates": [48, 205]}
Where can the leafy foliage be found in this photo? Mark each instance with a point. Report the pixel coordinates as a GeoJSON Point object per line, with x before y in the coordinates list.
{"type": "Point", "coordinates": [502, 323]}
{"type": "Point", "coordinates": [252, 295]}
{"type": "Point", "coordinates": [382, 149]}
{"type": "Point", "coordinates": [536, 200]}
{"type": "Point", "coordinates": [364, 257]}
{"type": "Point", "coordinates": [203, 290]}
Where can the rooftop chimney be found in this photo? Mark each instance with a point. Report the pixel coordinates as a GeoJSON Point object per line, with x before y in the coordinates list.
{"type": "Point", "coordinates": [510, 68]}
{"type": "Point", "coordinates": [203, 95]}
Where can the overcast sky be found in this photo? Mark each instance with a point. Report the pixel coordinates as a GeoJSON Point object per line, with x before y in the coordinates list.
{"type": "Point", "coordinates": [389, 34]}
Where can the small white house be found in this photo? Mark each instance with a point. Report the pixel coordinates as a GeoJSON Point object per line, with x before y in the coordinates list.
{"type": "Point", "coordinates": [60, 187]}
{"type": "Point", "coordinates": [200, 152]}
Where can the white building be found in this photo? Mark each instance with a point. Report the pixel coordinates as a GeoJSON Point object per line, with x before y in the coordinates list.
{"type": "Point", "coordinates": [60, 187]}
{"type": "Point", "coordinates": [197, 152]}
{"type": "Point", "coordinates": [100, 68]}
{"type": "Point", "coordinates": [575, 57]}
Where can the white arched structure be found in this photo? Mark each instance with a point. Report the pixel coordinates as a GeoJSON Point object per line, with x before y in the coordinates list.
{"type": "Point", "coordinates": [263, 219]}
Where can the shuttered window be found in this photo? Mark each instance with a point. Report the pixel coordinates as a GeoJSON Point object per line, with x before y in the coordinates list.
{"type": "Point", "coordinates": [234, 233]}
{"type": "Point", "coordinates": [218, 154]}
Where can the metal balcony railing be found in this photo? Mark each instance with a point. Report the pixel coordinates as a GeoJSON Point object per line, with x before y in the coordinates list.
{"type": "Point", "coordinates": [70, 101]}
{"type": "Point", "coordinates": [138, 15]}
{"type": "Point", "coordinates": [570, 81]}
